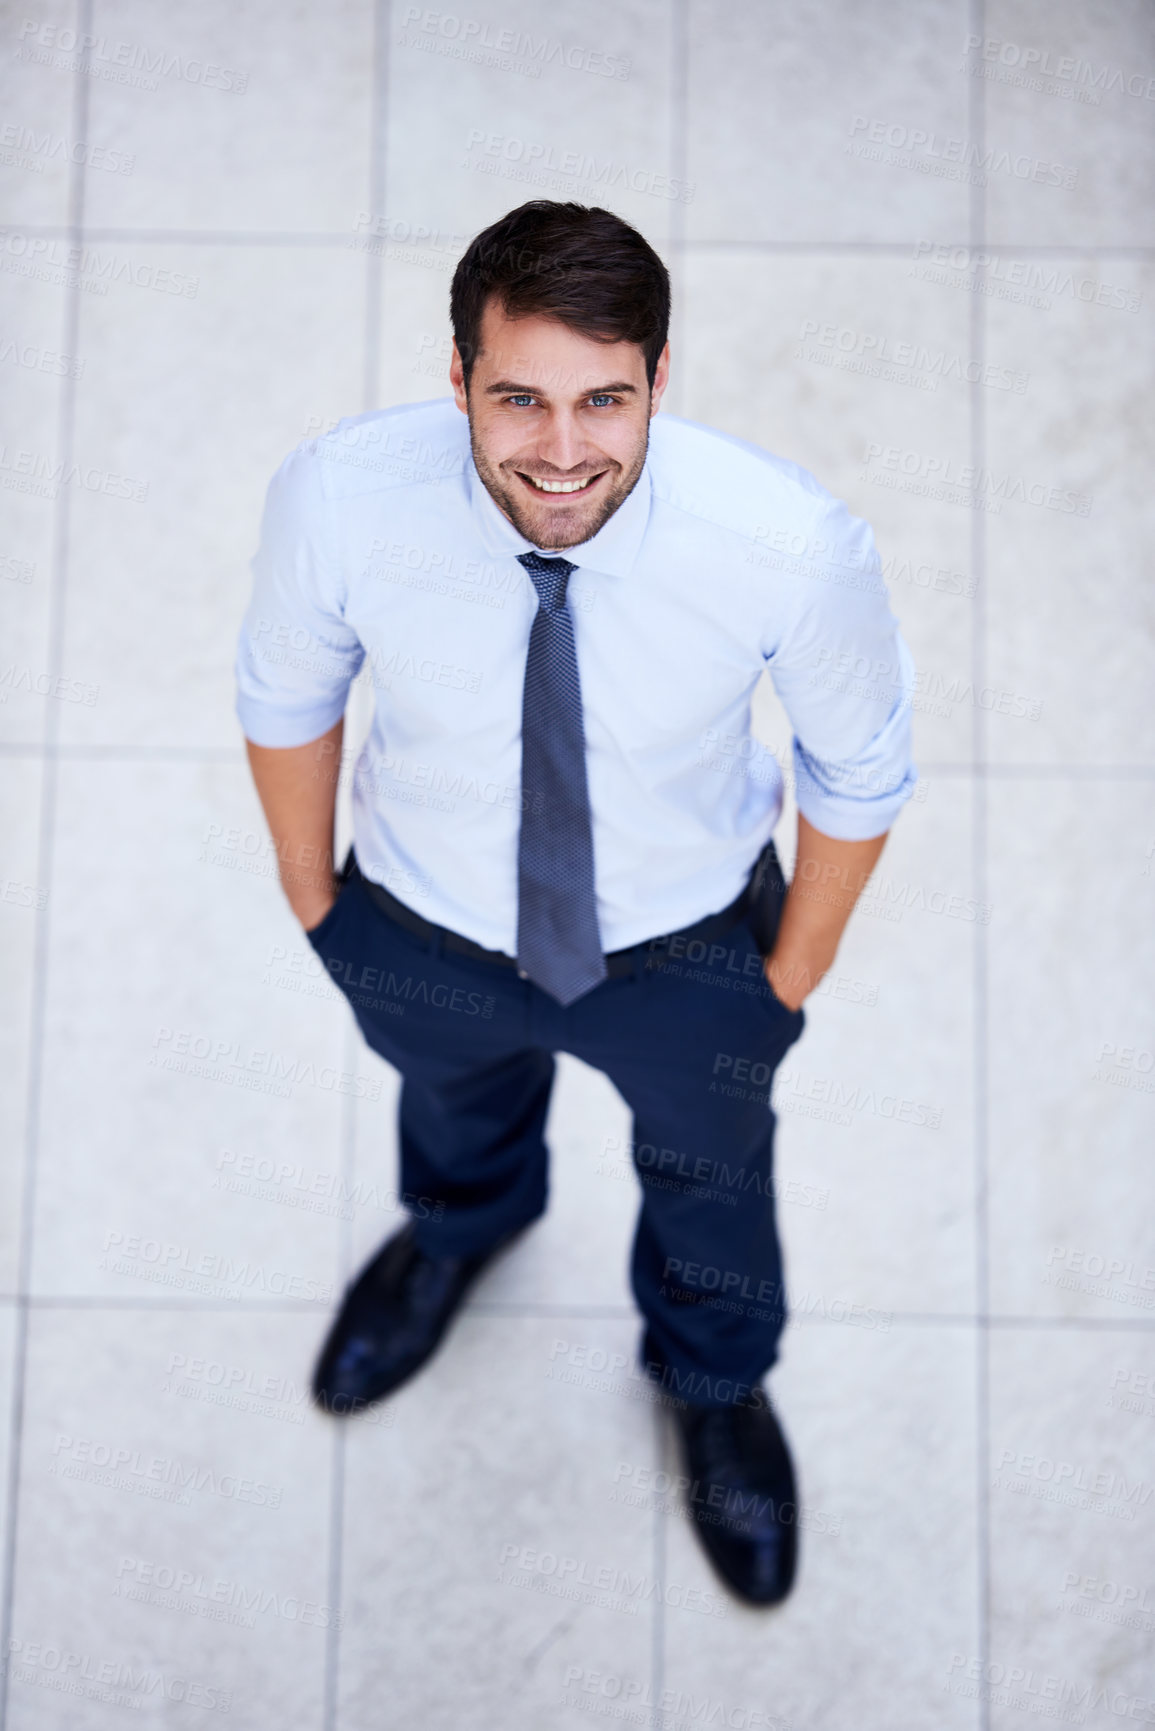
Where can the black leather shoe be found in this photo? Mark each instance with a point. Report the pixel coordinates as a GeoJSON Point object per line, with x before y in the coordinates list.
{"type": "Point", "coordinates": [742, 1496]}
{"type": "Point", "coordinates": [392, 1320]}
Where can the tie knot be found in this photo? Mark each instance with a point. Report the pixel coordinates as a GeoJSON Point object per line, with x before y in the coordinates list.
{"type": "Point", "coordinates": [550, 577]}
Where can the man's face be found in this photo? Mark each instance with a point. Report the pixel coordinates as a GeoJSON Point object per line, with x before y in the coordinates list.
{"type": "Point", "coordinates": [549, 405]}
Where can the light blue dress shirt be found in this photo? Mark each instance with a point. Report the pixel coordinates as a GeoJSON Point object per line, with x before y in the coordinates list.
{"type": "Point", "coordinates": [380, 544]}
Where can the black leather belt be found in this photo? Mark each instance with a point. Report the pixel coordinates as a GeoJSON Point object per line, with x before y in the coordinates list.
{"type": "Point", "coordinates": [766, 877]}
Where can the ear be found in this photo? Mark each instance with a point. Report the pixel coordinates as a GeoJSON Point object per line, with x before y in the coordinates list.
{"type": "Point", "coordinates": [661, 379]}
{"type": "Point", "coordinates": [457, 380]}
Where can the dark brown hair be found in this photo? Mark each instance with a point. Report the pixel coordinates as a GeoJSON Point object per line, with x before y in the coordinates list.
{"type": "Point", "coordinates": [581, 265]}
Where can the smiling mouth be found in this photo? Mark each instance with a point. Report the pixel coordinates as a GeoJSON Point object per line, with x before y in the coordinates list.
{"type": "Point", "coordinates": [560, 489]}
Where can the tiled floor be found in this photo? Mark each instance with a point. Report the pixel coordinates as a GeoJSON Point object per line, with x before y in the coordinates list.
{"type": "Point", "coordinates": [224, 226]}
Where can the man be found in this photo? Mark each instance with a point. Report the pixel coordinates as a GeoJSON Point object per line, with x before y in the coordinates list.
{"type": "Point", "coordinates": [566, 606]}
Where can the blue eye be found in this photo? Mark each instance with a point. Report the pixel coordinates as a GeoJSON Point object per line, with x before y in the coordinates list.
{"type": "Point", "coordinates": [520, 399]}
{"type": "Point", "coordinates": [599, 398]}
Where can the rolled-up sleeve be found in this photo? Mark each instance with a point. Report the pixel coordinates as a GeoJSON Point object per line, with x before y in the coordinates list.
{"type": "Point", "coordinates": [846, 680]}
{"type": "Point", "coordinates": [297, 656]}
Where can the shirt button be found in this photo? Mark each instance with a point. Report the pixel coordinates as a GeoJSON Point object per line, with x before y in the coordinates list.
{"type": "Point", "coordinates": [521, 974]}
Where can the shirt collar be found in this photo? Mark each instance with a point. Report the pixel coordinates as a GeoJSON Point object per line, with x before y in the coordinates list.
{"type": "Point", "coordinates": [612, 550]}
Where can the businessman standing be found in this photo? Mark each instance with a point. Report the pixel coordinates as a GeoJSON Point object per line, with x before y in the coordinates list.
{"type": "Point", "coordinates": [565, 604]}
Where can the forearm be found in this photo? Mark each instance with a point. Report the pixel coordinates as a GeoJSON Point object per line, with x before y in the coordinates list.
{"type": "Point", "coordinates": [297, 788]}
{"type": "Point", "coordinates": [829, 877]}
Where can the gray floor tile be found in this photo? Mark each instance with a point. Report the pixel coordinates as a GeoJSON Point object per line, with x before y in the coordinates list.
{"type": "Point", "coordinates": [852, 143]}
{"type": "Point", "coordinates": [36, 369]}
{"type": "Point", "coordinates": [190, 398]}
{"type": "Point", "coordinates": [508, 1553]}
{"type": "Point", "coordinates": [469, 140]}
{"type": "Point", "coordinates": [37, 96]}
{"type": "Point", "coordinates": [192, 1083]}
{"type": "Point", "coordinates": [174, 1500]}
{"type": "Point", "coordinates": [874, 1104]}
{"type": "Point", "coordinates": [23, 900]}
{"type": "Point", "coordinates": [216, 141]}
{"type": "Point", "coordinates": [578, 1255]}
{"type": "Point", "coordinates": [415, 348]}
{"type": "Point", "coordinates": [1072, 1075]}
{"type": "Point", "coordinates": [494, 1560]}
{"type": "Point", "coordinates": [1072, 1526]}
{"type": "Point", "coordinates": [1070, 614]}
{"type": "Point", "coordinates": [882, 1430]}
{"type": "Point", "coordinates": [8, 1342]}
{"type": "Point", "coordinates": [1068, 97]}
{"type": "Point", "coordinates": [778, 350]}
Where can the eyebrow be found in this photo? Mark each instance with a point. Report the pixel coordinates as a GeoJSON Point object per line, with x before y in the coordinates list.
{"type": "Point", "coordinates": [505, 387]}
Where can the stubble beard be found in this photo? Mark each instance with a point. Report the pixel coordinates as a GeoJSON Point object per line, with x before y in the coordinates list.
{"type": "Point", "coordinates": [551, 526]}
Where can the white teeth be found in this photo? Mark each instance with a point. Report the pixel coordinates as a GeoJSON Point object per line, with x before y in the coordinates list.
{"type": "Point", "coordinates": [560, 486]}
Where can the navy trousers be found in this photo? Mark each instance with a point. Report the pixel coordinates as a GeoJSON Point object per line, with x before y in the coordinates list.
{"type": "Point", "coordinates": [690, 1039]}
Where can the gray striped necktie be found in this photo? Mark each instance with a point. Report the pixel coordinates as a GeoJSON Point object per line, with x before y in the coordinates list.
{"type": "Point", "coordinates": [558, 944]}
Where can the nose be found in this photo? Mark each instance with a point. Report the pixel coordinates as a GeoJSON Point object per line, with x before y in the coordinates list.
{"type": "Point", "coordinates": [562, 444]}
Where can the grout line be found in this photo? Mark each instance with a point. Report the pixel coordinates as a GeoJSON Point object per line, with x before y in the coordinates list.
{"type": "Point", "coordinates": [192, 236]}
{"type": "Point", "coordinates": [207, 1307]}
{"type": "Point", "coordinates": [902, 248]}
{"type": "Point", "coordinates": [977, 117]}
{"type": "Point", "coordinates": [45, 851]}
{"type": "Point", "coordinates": [127, 753]}
{"type": "Point", "coordinates": [344, 238]}
{"type": "Point", "coordinates": [678, 117]}
{"type": "Point", "coordinates": [530, 1312]}
{"type": "Point", "coordinates": [374, 292]}
{"type": "Point", "coordinates": [660, 1433]}
{"type": "Point", "coordinates": [234, 754]}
